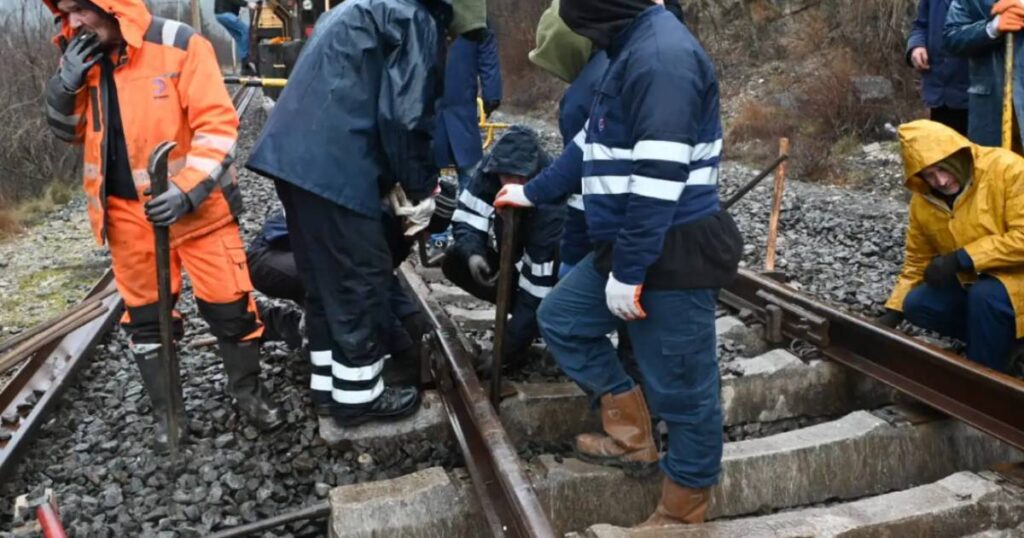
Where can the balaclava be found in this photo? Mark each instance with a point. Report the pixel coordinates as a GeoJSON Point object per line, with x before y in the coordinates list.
{"type": "Point", "coordinates": [600, 20]}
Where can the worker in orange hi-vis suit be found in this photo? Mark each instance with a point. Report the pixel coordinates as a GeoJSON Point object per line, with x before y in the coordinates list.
{"type": "Point", "coordinates": [128, 81]}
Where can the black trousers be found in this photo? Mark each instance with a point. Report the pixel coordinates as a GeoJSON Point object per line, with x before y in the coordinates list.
{"type": "Point", "coordinates": [273, 272]}
{"type": "Point", "coordinates": [345, 266]}
{"type": "Point", "coordinates": [951, 117]}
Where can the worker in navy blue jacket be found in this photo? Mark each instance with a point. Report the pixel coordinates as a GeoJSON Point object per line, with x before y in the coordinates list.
{"type": "Point", "coordinates": [649, 157]}
{"type": "Point", "coordinates": [944, 77]}
{"type": "Point", "coordinates": [472, 69]}
{"type": "Point", "coordinates": [472, 261]}
{"type": "Point", "coordinates": [976, 30]}
{"type": "Point", "coordinates": [355, 121]}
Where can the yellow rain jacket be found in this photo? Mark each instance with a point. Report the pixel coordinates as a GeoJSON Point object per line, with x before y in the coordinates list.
{"type": "Point", "coordinates": [987, 219]}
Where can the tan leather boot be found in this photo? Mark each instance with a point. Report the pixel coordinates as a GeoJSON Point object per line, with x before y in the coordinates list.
{"type": "Point", "coordinates": [627, 441]}
{"type": "Point", "coordinates": [679, 505]}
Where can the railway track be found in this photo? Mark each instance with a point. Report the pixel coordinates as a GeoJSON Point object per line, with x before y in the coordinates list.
{"type": "Point", "coordinates": [819, 411]}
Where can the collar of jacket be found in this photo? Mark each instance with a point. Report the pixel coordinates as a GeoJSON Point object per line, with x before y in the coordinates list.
{"type": "Point", "coordinates": [622, 38]}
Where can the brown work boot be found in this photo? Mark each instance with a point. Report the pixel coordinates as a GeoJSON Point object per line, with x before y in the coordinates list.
{"type": "Point", "coordinates": [678, 505]}
{"type": "Point", "coordinates": [627, 441]}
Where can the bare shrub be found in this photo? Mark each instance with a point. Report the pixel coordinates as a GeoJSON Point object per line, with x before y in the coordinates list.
{"type": "Point", "coordinates": [31, 158]}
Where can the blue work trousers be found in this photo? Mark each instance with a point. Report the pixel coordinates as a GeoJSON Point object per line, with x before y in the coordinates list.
{"type": "Point", "coordinates": [981, 315]}
{"type": "Point", "coordinates": [239, 32]}
{"type": "Point", "coordinates": [674, 347]}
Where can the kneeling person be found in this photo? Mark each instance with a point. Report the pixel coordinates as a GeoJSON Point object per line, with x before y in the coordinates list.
{"type": "Point", "coordinates": [963, 275]}
{"type": "Point", "coordinates": [472, 261]}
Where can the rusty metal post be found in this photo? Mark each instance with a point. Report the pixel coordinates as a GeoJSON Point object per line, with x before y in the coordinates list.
{"type": "Point", "coordinates": [510, 220]}
{"type": "Point", "coordinates": [168, 356]}
{"type": "Point", "coordinates": [197, 17]}
{"type": "Point", "coordinates": [773, 222]}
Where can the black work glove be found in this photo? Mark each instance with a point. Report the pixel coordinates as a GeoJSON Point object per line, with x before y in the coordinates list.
{"type": "Point", "coordinates": [891, 318]}
{"type": "Point", "coordinates": [445, 203]}
{"type": "Point", "coordinates": [480, 270]}
{"type": "Point", "coordinates": [491, 106]}
{"type": "Point", "coordinates": [166, 209]}
{"type": "Point", "coordinates": [941, 271]}
{"type": "Point", "coordinates": [80, 55]}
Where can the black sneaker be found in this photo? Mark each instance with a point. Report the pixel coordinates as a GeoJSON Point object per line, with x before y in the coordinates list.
{"type": "Point", "coordinates": [394, 403]}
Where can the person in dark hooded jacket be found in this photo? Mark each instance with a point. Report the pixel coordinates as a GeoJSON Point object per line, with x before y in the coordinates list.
{"type": "Point", "coordinates": [355, 121]}
{"type": "Point", "coordinates": [472, 261]}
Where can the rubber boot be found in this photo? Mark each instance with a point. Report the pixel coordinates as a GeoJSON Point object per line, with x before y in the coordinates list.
{"type": "Point", "coordinates": [679, 505]}
{"type": "Point", "coordinates": [282, 324]}
{"type": "Point", "coordinates": [627, 441]}
{"type": "Point", "coordinates": [242, 364]}
{"type": "Point", "coordinates": [151, 366]}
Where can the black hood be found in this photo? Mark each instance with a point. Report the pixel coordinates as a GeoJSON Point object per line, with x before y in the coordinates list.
{"type": "Point", "coordinates": [517, 152]}
{"type": "Point", "coordinates": [600, 20]}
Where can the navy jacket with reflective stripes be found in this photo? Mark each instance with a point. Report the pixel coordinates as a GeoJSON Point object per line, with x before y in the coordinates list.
{"type": "Point", "coordinates": [649, 154]}
{"type": "Point", "coordinates": [573, 111]}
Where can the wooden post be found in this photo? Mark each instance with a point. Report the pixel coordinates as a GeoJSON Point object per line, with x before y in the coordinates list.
{"type": "Point", "coordinates": [773, 222]}
{"type": "Point", "coordinates": [1007, 127]}
{"type": "Point", "coordinates": [197, 17]}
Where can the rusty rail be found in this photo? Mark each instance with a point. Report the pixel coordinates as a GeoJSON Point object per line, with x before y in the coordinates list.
{"type": "Point", "coordinates": [48, 371]}
{"type": "Point", "coordinates": [983, 398]}
{"type": "Point", "coordinates": [506, 494]}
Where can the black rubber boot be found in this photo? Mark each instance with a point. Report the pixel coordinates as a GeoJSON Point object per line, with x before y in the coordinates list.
{"type": "Point", "coordinates": [242, 364]}
{"type": "Point", "coordinates": [281, 324]}
{"type": "Point", "coordinates": [151, 366]}
{"type": "Point", "coordinates": [394, 403]}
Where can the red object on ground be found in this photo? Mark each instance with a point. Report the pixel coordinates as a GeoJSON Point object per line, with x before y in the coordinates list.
{"type": "Point", "coordinates": [49, 520]}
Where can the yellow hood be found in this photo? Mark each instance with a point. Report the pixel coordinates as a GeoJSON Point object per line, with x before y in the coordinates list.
{"type": "Point", "coordinates": [924, 143]}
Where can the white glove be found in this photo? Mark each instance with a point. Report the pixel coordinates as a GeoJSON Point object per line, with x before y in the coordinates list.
{"type": "Point", "coordinates": [624, 299]}
{"type": "Point", "coordinates": [512, 195]}
{"type": "Point", "coordinates": [417, 217]}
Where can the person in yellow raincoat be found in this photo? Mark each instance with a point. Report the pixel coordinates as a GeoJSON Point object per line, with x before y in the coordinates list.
{"type": "Point", "coordinates": [963, 275]}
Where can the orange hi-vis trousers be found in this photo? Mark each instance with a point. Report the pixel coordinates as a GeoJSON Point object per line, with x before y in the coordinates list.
{"type": "Point", "coordinates": [214, 261]}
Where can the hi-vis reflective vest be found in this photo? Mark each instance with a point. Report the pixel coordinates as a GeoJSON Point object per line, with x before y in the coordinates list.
{"type": "Point", "coordinates": [169, 87]}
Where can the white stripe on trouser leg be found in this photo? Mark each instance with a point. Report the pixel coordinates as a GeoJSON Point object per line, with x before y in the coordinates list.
{"type": "Point", "coordinates": [321, 358]}
{"type": "Point", "coordinates": [357, 373]}
{"type": "Point", "coordinates": [323, 383]}
{"type": "Point", "coordinates": [352, 397]}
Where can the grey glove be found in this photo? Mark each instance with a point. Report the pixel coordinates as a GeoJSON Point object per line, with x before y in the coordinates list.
{"type": "Point", "coordinates": [166, 209]}
{"type": "Point", "coordinates": [480, 270]}
{"type": "Point", "coordinates": [81, 54]}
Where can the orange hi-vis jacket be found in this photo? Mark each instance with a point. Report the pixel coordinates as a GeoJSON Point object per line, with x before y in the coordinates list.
{"type": "Point", "coordinates": [169, 87]}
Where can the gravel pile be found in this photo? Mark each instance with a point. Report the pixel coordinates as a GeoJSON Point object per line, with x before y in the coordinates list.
{"type": "Point", "coordinates": [95, 451]}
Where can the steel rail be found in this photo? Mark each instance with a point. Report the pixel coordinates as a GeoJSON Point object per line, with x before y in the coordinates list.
{"type": "Point", "coordinates": [508, 499]}
{"type": "Point", "coordinates": [48, 371]}
{"type": "Point", "coordinates": [985, 399]}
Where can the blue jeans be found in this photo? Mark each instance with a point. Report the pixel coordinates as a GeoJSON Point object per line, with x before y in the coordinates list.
{"type": "Point", "coordinates": [239, 32]}
{"type": "Point", "coordinates": [675, 349]}
{"type": "Point", "coordinates": [981, 315]}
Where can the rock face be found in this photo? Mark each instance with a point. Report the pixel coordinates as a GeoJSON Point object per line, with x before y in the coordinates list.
{"type": "Point", "coordinates": [873, 90]}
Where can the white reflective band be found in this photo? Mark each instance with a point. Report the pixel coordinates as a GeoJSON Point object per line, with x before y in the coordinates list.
{"type": "Point", "coordinates": [204, 165]}
{"type": "Point", "coordinates": [539, 269]}
{"type": "Point", "coordinates": [576, 202]}
{"type": "Point", "coordinates": [481, 207]}
{"type": "Point", "coordinates": [175, 165]}
{"type": "Point", "coordinates": [90, 170]}
{"type": "Point", "coordinates": [662, 189]}
{"type": "Point", "coordinates": [170, 30]}
{"type": "Point", "coordinates": [606, 185]}
{"type": "Point", "coordinates": [478, 222]}
{"type": "Point", "coordinates": [707, 150]}
{"type": "Point", "coordinates": [217, 142]}
{"type": "Point", "coordinates": [598, 152]}
{"type": "Point", "coordinates": [140, 177]}
{"type": "Point", "coordinates": [356, 373]}
{"type": "Point", "coordinates": [321, 358]}
{"type": "Point", "coordinates": [581, 138]}
{"type": "Point", "coordinates": [70, 121]}
{"type": "Point", "coordinates": [537, 291]}
{"type": "Point", "coordinates": [321, 382]}
{"type": "Point", "coordinates": [660, 150]}
{"type": "Point", "coordinates": [703, 176]}
{"type": "Point", "coordinates": [358, 396]}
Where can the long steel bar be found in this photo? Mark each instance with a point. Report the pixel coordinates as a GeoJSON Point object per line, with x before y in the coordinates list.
{"type": "Point", "coordinates": [45, 326]}
{"type": "Point", "coordinates": [316, 511]}
{"type": "Point", "coordinates": [56, 331]}
{"type": "Point", "coordinates": [754, 182]}
{"type": "Point", "coordinates": [985, 399]}
{"type": "Point", "coordinates": [509, 500]}
{"type": "Point", "coordinates": [506, 266]}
